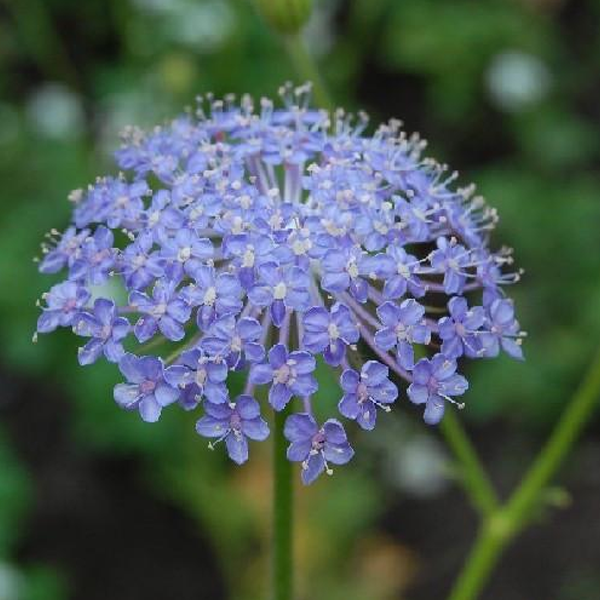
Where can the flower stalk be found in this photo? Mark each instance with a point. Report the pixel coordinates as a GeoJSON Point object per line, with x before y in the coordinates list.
{"type": "Point", "coordinates": [283, 506]}
{"type": "Point", "coordinates": [503, 523]}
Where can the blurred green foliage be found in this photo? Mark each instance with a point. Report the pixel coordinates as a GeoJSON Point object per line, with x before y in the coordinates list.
{"type": "Point", "coordinates": [507, 90]}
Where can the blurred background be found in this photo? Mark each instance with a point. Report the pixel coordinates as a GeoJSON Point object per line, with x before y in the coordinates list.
{"type": "Point", "coordinates": [95, 505]}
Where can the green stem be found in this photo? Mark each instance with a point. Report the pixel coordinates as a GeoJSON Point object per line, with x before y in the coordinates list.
{"type": "Point", "coordinates": [306, 69]}
{"type": "Point", "coordinates": [505, 523]}
{"type": "Point", "coordinates": [472, 473]}
{"type": "Point", "coordinates": [282, 513]}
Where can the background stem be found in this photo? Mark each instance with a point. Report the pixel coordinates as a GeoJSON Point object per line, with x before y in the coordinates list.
{"type": "Point", "coordinates": [506, 522]}
{"type": "Point", "coordinates": [473, 477]}
{"type": "Point", "coordinates": [282, 513]}
{"type": "Point", "coordinates": [307, 70]}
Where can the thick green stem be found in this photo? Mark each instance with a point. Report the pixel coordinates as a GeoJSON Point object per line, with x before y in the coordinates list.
{"type": "Point", "coordinates": [282, 513]}
{"type": "Point", "coordinates": [505, 523]}
{"type": "Point", "coordinates": [307, 70]}
{"type": "Point", "coordinates": [472, 473]}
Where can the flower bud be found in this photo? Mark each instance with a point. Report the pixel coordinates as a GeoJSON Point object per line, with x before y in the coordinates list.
{"type": "Point", "coordinates": [285, 16]}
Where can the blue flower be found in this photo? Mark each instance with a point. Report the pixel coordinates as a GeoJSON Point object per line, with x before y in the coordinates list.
{"type": "Point", "coordinates": [289, 373]}
{"type": "Point", "coordinates": [165, 310]}
{"type": "Point", "coordinates": [404, 326]}
{"type": "Point", "coordinates": [502, 330]}
{"type": "Point", "coordinates": [316, 446]}
{"type": "Point", "coordinates": [330, 332]}
{"type": "Point", "coordinates": [105, 328]}
{"type": "Point", "coordinates": [256, 240]}
{"type": "Point", "coordinates": [236, 341]}
{"type": "Point", "coordinates": [146, 390]}
{"type": "Point", "coordinates": [234, 423]}
{"type": "Point", "coordinates": [64, 302]}
{"type": "Point", "coordinates": [460, 331]}
{"type": "Point", "coordinates": [364, 393]}
{"type": "Point", "coordinates": [281, 288]}
{"type": "Point", "coordinates": [434, 383]}
{"type": "Point", "coordinates": [199, 376]}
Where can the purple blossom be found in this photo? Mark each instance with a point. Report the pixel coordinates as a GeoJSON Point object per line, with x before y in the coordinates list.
{"type": "Point", "coordinates": [401, 276]}
{"type": "Point", "coordinates": [329, 332]}
{"type": "Point", "coordinates": [284, 232]}
{"type": "Point", "coordinates": [434, 382]}
{"type": "Point", "coordinates": [234, 423]}
{"type": "Point", "coordinates": [460, 331]}
{"type": "Point", "coordinates": [140, 266]}
{"type": "Point", "coordinates": [281, 288]}
{"type": "Point", "coordinates": [502, 330]}
{"type": "Point", "coordinates": [404, 326]}
{"type": "Point", "coordinates": [105, 328]}
{"type": "Point", "coordinates": [165, 310]}
{"type": "Point", "coordinates": [64, 301]}
{"type": "Point", "coordinates": [237, 341]}
{"type": "Point", "coordinates": [96, 257]}
{"type": "Point", "coordinates": [344, 269]}
{"type": "Point", "coordinates": [147, 390]}
{"type": "Point", "coordinates": [199, 376]}
{"type": "Point", "coordinates": [185, 251]}
{"type": "Point", "coordinates": [214, 294]}
{"type": "Point", "coordinates": [289, 373]}
{"type": "Point", "coordinates": [451, 259]}
{"type": "Point", "coordinates": [65, 251]}
{"type": "Point", "coordinates": [316, 447]}
{"type": "Point", "coordinates": [364, 393]}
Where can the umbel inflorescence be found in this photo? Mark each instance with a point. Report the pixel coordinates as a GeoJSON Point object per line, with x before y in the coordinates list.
{"type": "Point", "coordinates": [263, 241]}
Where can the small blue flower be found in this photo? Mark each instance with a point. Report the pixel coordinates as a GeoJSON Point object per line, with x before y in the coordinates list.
{"type": "Point", "coordinates": [502, 330]}
{"type": "Point", "coordinates": [434, 383]}
{"type": "Point", "coordinates": [213, 294]}
{"type": "Point", "coordinates": [199, 376]}
{"type": "Point", "coordinates": [105, 328]}
{"type": "Point", "coordinates": [290, 374]}
{"type": "Point", "coordinates": [460, 331]}
{"type": "Point", "coordinates": [140, 265]}
{"type": "Point", "coordinates": [236, 341]}
{"type": "Point", "coordinates": [316, 446]}
{"type": "Point", "coordinates": [329, 332]}
{"type": "Point", "coordinates": [364, 393]}
{"type": "Point", "coordinates": [64, 301]}
{"type": "Point", "coordinates": [281, 288]}
{"type": "Point", "coordinates": [234, 423]}
{"type": "Point", "coordinates": [451, 259]}
{"type": "Point", "coordinates": [165, 310]}
{"type": "Point", "coordinates": [147, 390]}
{"type": "Point", "coordinates": [404, 326]}
{"type": "Point", "coordinates": [96, 258]}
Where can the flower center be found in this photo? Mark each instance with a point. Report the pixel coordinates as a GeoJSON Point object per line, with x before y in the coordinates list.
{"type": "Point", "coordinates": [236, 343]}
{"type": "Point", "coordinates": [184, 254]}
{"type": "Point", "coordinates": [235, 422]}
{"type": "Point", "coordinates": [334, 332]}
{"type": "Point", "coordinates": [362, 392]}
{"type": "Point", "coordinates": [352, 269]}
{"type": "Point", "coordinates": [209, 296]}
{"type": "Point", "coordinates": [284, 374]}
{"type": "Point", "coordinates": [280, 291]}
{"type": "Point", "coordinates": [147, 386]}
{"type": "Point", "coordinates": [318, 441]}
{"type": "Point", "coordinates": [248, 258]}
{"type": "Point", "coordinates": [159, 310]}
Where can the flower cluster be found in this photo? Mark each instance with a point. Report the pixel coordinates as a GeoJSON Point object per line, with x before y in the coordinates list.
{"type": "Point", "coordinates": [266, 241]}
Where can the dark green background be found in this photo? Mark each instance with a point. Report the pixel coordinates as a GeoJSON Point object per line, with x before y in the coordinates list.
{"type": "Point", "coordinates": [96, 505]}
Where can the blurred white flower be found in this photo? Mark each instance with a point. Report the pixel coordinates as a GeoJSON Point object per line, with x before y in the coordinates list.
{"type": "Point", "coordinates": [11, 583]}
{"type": "Point", "coordinates": [55, 111]}
{"type": "Point", "coordinates": [516, 80]}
